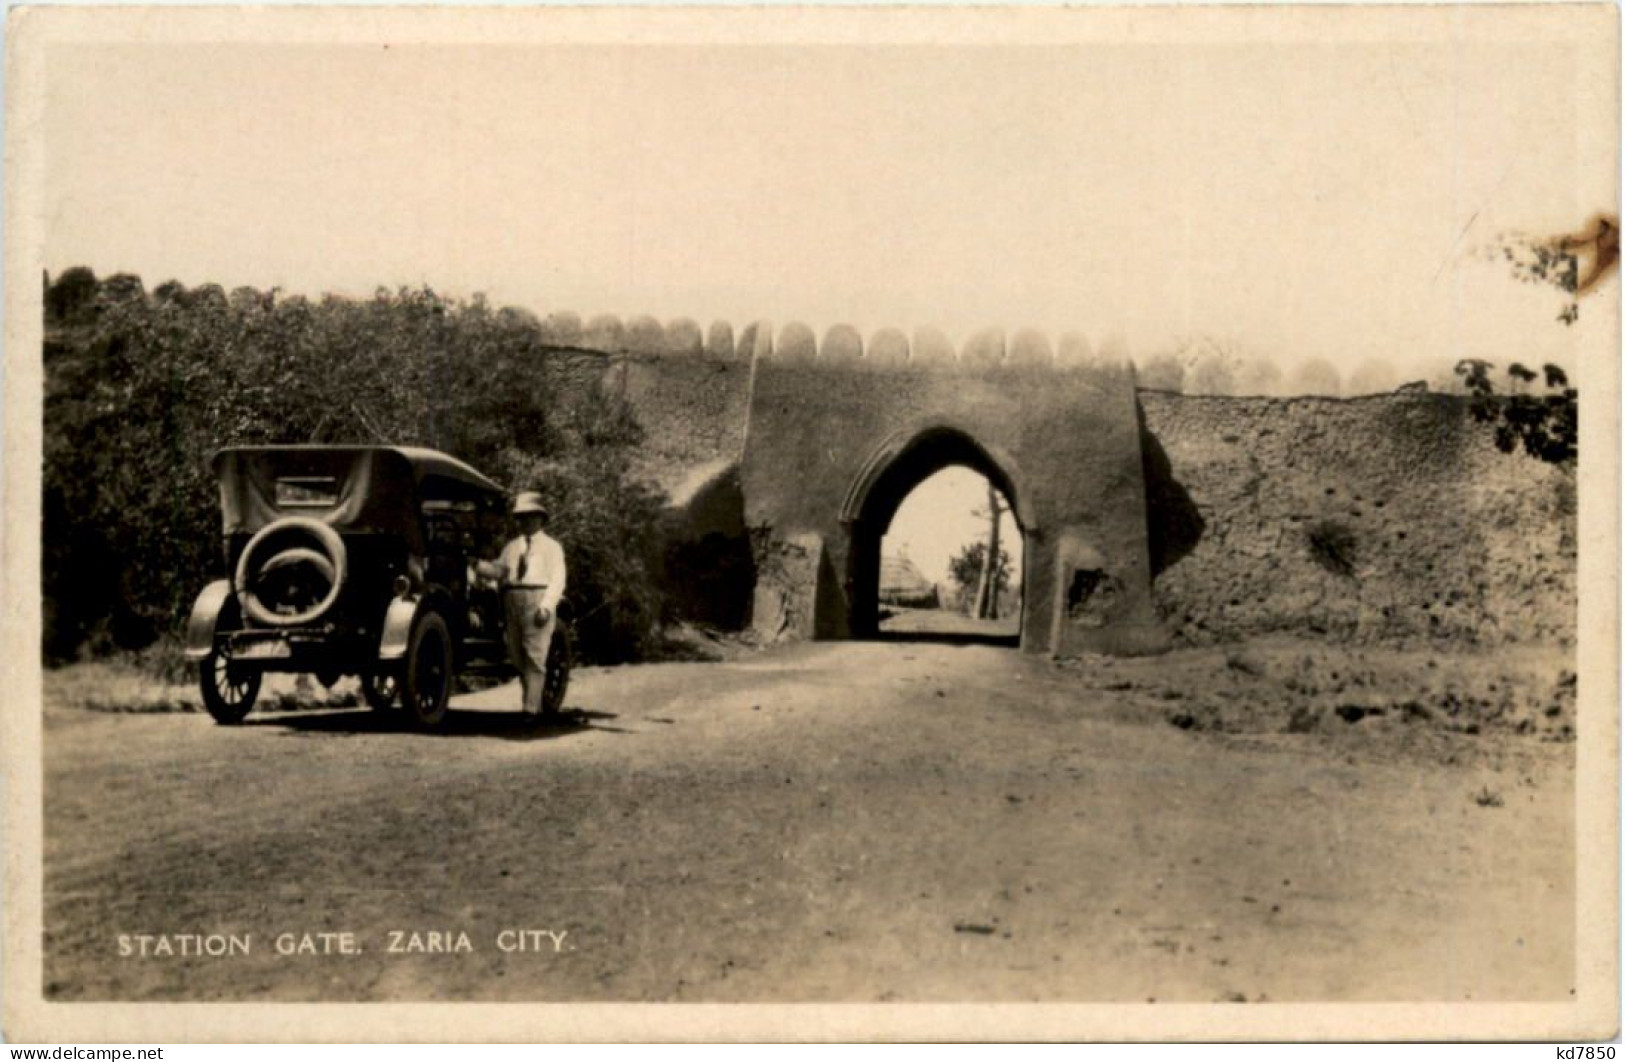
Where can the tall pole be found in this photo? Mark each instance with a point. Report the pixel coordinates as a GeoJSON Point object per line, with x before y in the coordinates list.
{"type": "Point", "coordinates": [987, 587]}
{"type": "Point", "coordinates": [993, 552]}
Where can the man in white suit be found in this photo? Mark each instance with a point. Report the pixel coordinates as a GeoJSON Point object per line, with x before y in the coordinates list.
{"type": "Point", "coordinates": [532, 577]}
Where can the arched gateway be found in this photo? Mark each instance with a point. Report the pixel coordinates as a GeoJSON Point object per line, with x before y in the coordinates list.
{"type": "Point", "coordinates": [901, 463]}
{"type": "Point", "coordinates": [833, 445]}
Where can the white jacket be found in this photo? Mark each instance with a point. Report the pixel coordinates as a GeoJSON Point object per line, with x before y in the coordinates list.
{"type": "Point", "coordinates": [536, 564]}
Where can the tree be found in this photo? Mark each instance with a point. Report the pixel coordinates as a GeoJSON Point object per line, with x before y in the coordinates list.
{"type": "Point", "coordinates": [69, 295]}
{"type": "Point", "coordinates": [1543, 420]}
{"type": "Point", "coordinates": [1574, 263]}
{"type": "Point", "coordinates": [992, 579]}
{"type": "Point", "coordinates": [1545, 423]}
{"type": "Point", "coordinates": [965, 569]}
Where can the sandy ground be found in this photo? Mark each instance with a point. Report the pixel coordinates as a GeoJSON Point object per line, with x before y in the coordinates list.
{"type": "Point", "coordinates": [853, 821]}
{"type": "Point", "coordinates": [897, 620]}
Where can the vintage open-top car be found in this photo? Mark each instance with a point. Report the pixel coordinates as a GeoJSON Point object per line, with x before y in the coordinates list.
{"type": "Point", "coordinates": [355, 560]}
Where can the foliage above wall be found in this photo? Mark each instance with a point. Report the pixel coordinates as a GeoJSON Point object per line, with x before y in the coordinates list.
{"type": "Point", "coordinates": [1538, 412]}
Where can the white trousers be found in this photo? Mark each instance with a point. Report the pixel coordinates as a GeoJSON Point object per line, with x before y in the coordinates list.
{"type": "Point", "coordinates": [528, 643]}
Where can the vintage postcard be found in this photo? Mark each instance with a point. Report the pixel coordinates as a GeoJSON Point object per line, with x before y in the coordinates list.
{"type": "Point", "coordinates": [811, 524]}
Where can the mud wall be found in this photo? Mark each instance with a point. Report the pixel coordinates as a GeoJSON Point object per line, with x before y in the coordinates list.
{"type": "Point", "coordinates": [1390, 517]}
{"type": "Point", "coordinates": [689, 391]}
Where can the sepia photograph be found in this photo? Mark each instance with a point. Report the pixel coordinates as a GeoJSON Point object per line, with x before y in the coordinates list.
{"type": "Point", "coordinates": [899, 511]}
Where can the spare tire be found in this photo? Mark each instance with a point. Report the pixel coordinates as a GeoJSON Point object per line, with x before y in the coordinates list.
{"type": "Point", "coordinates": [294, 537]}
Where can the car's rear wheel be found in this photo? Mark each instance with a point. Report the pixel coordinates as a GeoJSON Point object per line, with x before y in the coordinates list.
{"type": "Point", "coordinates": [381, 689]}
{"type": "Point", "coordinates": [229, 688]}
{"type": "Point", "coordinates": [429, 668]}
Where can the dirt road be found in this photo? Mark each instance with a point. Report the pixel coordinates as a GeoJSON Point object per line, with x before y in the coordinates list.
{"type": "Point", "coordinates": [825, 822]}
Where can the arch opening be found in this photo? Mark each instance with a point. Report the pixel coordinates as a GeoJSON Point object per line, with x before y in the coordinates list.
{"type": "Point", "coordinates": [922, 520]}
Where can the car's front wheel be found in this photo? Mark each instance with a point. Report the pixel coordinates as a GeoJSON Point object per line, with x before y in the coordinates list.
{"type": "Point", "coordinates": [427, 687]}
{"type": "Point", "coordinates": [229, 689]}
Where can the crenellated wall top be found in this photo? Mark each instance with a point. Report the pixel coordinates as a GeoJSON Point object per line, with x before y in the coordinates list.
{"type": "Point", "coordinates": [838, 346]}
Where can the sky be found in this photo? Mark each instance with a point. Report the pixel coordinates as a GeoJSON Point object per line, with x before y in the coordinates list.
{"type": "Point", "coordinates": [943, 515]}
{"type": "Point", "coordinates": [1325, 199]}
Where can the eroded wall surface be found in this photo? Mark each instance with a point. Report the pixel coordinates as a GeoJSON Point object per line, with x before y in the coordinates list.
{"type": "Point", "coordinates": [1391, 517]}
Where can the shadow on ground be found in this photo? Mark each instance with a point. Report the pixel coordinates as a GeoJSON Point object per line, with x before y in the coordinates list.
{"type": "Point", "coordinates": [1009, 641]}
{"type": "Point", "coordinates": [943, 626]}
{"type": "Point", "coordinates": [511, 726]}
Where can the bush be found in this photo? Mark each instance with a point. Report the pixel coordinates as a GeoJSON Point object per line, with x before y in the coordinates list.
{"type": "Point", "coordinates": [1544, 423]}
{"type": "Point", "coordinates": [609, 526]}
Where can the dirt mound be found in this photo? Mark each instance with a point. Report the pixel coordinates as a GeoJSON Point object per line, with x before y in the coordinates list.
{"type": "Point", "coordinates": [1295, 687]}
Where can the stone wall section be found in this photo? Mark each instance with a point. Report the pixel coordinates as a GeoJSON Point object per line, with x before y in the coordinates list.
{"type": "Point", "coordinates": [689, 389]}
{"type": "Point", "coordinates": [1390, 517]}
